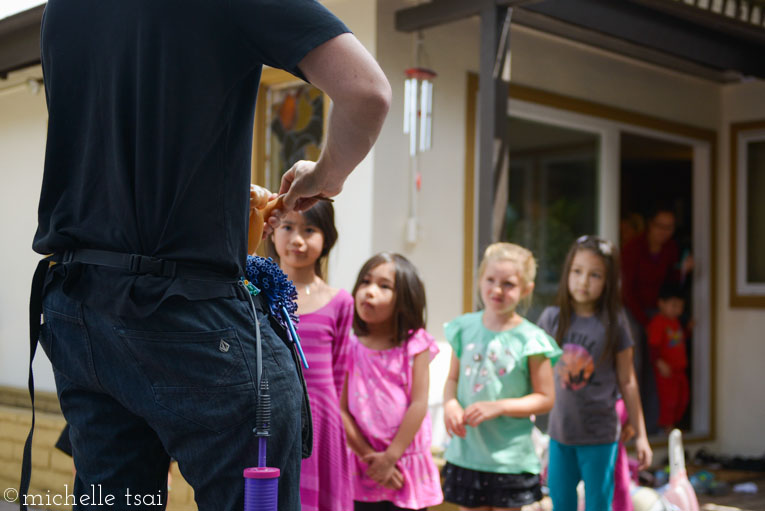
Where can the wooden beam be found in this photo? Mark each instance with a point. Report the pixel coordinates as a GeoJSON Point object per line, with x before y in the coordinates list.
{"type": "Point", "coordinates": [20, 40]}
{"type": "Point", "coordinates": [708, 18]}
{"type": "Point", "coordinates": [492, 108]}
{"type": "Point", "coordinates": [597, 39]}
{"type": "Point", "coordinates": [644, 26]}
{"type": "Point", "coordinates": [439, 12]}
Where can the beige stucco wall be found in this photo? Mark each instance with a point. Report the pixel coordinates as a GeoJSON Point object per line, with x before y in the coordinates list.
{"type": "Point", "coordinates": [23, 124]}
{"type": "Point", "coordinates": [553, 64]}
{"type": "Point", "coordinates": [353, 208]}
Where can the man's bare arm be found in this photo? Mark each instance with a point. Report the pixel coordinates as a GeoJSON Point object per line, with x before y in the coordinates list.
{"type": "Point", "coordinates": [361, 96]}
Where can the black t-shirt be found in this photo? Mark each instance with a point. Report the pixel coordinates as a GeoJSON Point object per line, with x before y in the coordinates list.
{"type": "Point", "coordinates": [151, 106]}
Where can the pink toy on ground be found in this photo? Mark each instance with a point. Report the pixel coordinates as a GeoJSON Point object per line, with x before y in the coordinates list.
{"type": "Point", "coordinates": [680, 492]}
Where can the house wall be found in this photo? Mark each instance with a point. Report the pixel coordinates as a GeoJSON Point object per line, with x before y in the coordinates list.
{"type": "Point", "coordinates": [555, 65]}
{"type": "Point", "coordinates": [353, 208]}
{"type": "Point", "coordinates": [23, 124]}
{"type": "Point", "coordinates": [740, 339]}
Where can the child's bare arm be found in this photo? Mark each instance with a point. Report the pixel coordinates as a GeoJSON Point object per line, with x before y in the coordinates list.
{"type": "Point", "coordinates": [355, 438]}
{"type": "Point", "coordinates": [454, 415]}
{"type": "Point", "coordinates": [540, 400]}
{"type": "Point", "coordinates": [418, 406]}
{"type": "Point", "coordinates": [382, 464]}
{"type": "Point", "coordinates": [629, 388]}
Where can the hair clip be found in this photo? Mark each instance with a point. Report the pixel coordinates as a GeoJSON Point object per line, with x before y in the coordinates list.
{"type": "Point", "coordinates": [605, 247]}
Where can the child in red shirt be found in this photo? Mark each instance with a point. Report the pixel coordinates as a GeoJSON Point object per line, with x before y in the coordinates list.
{"type": "Point", "coordinates": [666, 339]}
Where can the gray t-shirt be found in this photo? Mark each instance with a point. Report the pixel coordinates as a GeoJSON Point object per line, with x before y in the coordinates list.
{"type": "Point", "coordinates": [586, 386]}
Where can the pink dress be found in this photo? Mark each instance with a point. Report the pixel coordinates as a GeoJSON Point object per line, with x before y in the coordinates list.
{"type": "Point", "coordinates": [379, 386]}
{"type": "Point", "coordinates": [325, 477]}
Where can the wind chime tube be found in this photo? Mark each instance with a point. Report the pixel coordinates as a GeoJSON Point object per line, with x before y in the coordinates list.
{"type": "Point", "coordinates": [413, 117]}
{"type": "Point", "coordinates": [407, 106]}
{"type": "Point", "coordinates": [423, 112]}
{"type": "Point", "coordinates": [429, 124]}
{"type": "Point", "coordinates": [426, 101]}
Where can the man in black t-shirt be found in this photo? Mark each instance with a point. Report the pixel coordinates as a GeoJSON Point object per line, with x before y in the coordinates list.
{"type": "Point", "coordinates": [147, 173]}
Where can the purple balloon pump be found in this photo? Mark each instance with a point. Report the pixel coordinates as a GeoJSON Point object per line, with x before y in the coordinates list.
{"type": "Point", "coordinates": [261, 483]}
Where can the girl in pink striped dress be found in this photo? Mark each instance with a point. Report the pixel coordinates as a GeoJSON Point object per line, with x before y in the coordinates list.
{"type": "Point", "coordinates": [301, 245]}
{"type": "Point", "coordinates": [385, 399]}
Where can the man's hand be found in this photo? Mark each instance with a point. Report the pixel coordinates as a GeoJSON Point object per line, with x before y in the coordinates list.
{"type": "Point", "coordinates": [303, 182]}
{"type": "Point", "coordinates": [481, 411]}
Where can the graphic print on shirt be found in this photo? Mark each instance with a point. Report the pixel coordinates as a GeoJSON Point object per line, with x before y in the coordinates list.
{"type": "Point", "coordinates": [480, 368]}
{"type": "Point", "coordinates": [576, 365]}
{"type": "Point", "coordinates": [674, 337]}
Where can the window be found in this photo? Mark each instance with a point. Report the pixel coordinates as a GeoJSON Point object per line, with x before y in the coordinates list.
{"type": "Point", "coordinates": [747, 147]}
{"type": "Point", "coordinates": [552, 196]}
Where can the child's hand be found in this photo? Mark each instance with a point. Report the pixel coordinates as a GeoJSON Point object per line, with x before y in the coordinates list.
{"type": "Point", "coordinates": [664, 369]}
{"type": "Point", "coordinates": [482, 411]}
{"type": "Point", "coordinates": [628, 433]}
{"type": "Point", "coordinates": [259, 197]}
{"type": "Point", "coordinates": [454, 418]}
{"type": "Point", "coordinates": [396, 481]}
{"type": "Point", "coordinates": [644, 452]}
{"type": "Point", "coordinates": [381, 466]}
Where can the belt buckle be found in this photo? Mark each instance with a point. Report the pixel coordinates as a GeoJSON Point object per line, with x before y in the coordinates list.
{"type": "Point", "coordinates": [142, 264]}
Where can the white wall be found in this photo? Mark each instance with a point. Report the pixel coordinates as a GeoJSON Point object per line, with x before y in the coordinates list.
{"type": "Point", "coordinates": [452, 50]}
{"type": "Point", "coordinates": [553, 64]}
{"type": "Point", "coordinates": [740, 338]}
{"type": "Point", "coordinates": [353, 207]}
{"type": "Point", "coordinates": [23, 124]}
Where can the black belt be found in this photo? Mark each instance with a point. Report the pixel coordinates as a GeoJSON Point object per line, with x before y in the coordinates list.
{"type": "Point", "coordinates": [142, 265]}
{"type": "Point", "coordinates": [132, 263]}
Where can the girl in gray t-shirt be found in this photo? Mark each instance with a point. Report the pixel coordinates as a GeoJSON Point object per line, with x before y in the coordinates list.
{"type": "Point", "coordinates": [596, 366]}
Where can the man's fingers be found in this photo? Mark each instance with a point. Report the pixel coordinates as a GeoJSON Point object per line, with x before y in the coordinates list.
{"type": "Point", "coordinates": [304, 204]}
{"type": "Point", "coordinates": [287, 180]}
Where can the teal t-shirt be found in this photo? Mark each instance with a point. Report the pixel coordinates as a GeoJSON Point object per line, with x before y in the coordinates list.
{"type": "Point", "coordinates": [494, 365]}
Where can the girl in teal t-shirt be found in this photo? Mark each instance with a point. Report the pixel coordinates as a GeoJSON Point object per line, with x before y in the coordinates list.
{"type": "Point", "coordinates": [500, 375]}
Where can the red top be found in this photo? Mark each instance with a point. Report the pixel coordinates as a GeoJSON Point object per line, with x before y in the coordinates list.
{"type": "Point", "coordinates": [667, 341]}
{"type": "Point", "coordinates": [644, 273]}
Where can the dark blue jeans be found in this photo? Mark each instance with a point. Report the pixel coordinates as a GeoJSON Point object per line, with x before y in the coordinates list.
{"type": "Point", "coordinates": [179, 383]}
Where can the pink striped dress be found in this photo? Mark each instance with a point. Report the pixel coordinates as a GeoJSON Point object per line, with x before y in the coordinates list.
{"type": "Point", "coordinates": [379, 386]}
{"type": "Point", "coordinates": [325, 482]}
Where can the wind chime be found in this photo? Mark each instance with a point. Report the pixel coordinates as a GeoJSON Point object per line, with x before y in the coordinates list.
{"type": "Point", "coordinates": [418, 116]}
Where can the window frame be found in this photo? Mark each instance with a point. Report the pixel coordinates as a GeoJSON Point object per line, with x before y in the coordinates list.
{"type": "Point", "coordinates": [742, 293]}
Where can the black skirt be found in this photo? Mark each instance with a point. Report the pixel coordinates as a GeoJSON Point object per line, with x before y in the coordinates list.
{"type": "Point", "coordinates": [473, 488]}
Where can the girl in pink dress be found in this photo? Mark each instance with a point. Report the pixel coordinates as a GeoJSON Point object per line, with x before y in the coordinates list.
{"type": "Point", "coordinates": [385, 399]}
{"type": "Point", "coordinates": [301, 244]}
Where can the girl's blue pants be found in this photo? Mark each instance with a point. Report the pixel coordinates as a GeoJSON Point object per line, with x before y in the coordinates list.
{"type": "Point", "coordinates": [593, 464]}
